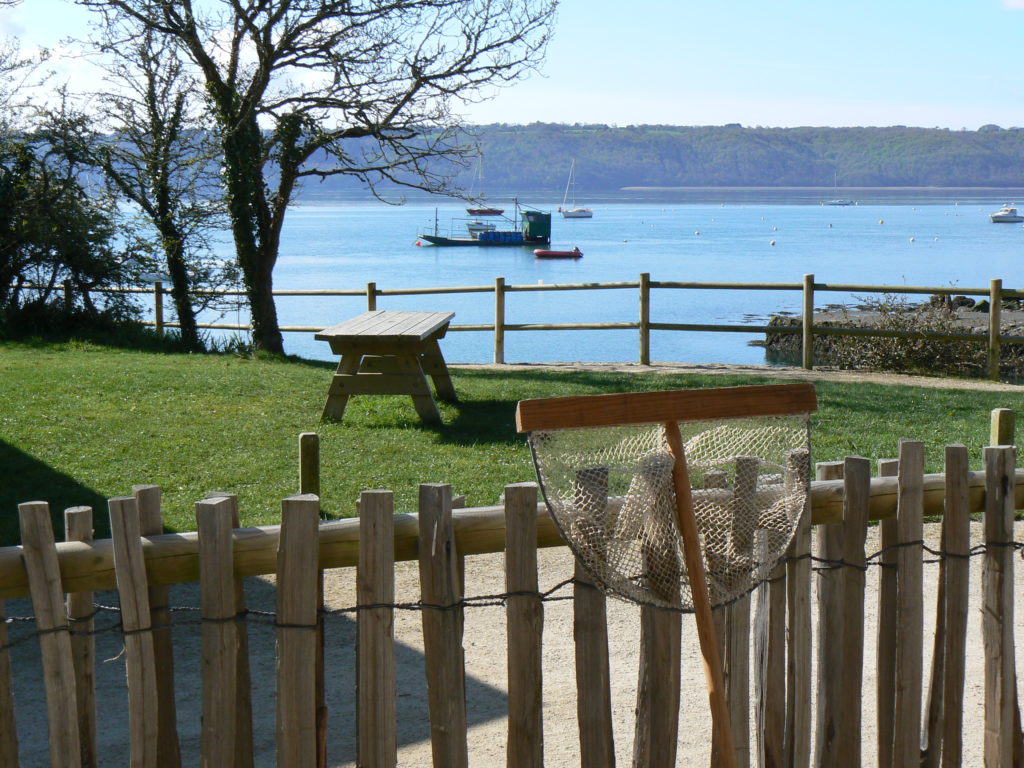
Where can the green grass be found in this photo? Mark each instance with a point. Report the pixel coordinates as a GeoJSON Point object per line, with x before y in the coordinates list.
{"type": "Point", "coordinates": [82, 423]}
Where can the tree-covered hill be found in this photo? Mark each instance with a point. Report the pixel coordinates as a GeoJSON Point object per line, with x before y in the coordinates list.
{"type": "Point", "coordinates": [537, 156]}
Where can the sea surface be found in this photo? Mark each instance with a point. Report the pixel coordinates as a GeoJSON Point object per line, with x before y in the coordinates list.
{"type": "Point", "coordinates": [894, 237]}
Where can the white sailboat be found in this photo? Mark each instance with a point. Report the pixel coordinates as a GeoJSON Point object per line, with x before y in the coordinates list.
{"type": "Point", "coordinates": [837, 200]}
{"type": "Point", "coordinates": [575, 212]}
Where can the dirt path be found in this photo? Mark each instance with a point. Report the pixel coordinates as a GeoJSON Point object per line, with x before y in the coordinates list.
{"type": "Point", "coordinates": [772, 371]}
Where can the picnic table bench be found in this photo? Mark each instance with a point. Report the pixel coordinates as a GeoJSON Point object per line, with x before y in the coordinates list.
{"type": "Point", "coordinates": [389, 352]}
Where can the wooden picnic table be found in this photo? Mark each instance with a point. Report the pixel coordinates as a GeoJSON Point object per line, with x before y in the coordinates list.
{"type": "Point", "coordinates": [389, 352]}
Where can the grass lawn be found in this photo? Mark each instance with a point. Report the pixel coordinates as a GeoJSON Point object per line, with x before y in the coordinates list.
{"type": "Point", "coordinates": [81, 423]}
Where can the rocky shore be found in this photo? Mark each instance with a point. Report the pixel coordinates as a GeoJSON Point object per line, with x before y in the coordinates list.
{"type": "Point", "coordinates": [957, 315]}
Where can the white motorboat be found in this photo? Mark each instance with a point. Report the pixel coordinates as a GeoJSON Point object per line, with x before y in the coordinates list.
{"type": "Point", "coordinates": [575, 212]}
{"type": "Point", "coordinates": [1006, 215]}
{"type": "Point", "coordinates": [476, 227]}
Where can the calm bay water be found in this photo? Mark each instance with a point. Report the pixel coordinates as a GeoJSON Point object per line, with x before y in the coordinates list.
{"type": "Point", "coordinates": [898, 237]}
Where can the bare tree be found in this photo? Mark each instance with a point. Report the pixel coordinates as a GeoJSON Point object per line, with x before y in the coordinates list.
{"type": "Point", "coordinates": [313, 88]}
{"type": "Point", "coordinates": [158, 153]}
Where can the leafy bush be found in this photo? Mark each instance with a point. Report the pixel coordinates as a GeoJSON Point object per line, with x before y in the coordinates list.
{"type": "Point", "coordinates": [907, 354]}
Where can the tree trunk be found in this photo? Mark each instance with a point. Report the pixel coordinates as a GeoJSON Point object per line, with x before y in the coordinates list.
{"type": "Point", "coordinates": [177, 268]}
{"type": "Point", "coordinates": [266, 334]}
{"type": "Point", "coordinates": [255, 242]}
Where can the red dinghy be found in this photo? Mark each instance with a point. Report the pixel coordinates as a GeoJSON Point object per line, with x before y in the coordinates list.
{"type": "Point", "coordinates": [542, 253]}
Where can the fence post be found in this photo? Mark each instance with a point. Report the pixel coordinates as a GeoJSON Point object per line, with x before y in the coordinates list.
{"type": "Point", "coordinates": [371, 297]}
{"type": "Point", "coordinates": [69, 297]}
{"type": "Point", "coordinates": [808, 323]}
{"type": "Point", "coordinates": [798, 599]}
{"type": "Point", "coordinates": [956, 524]}
{"type": "Point", "coordinates": [309, 463]}
{"type": "Point", "coordinates": [909, 606]}
{"type": "Point", "coordinates": [296, 631]}
{"type": "Point", "coordinates": [442, 627]}
{"type": "Point", "coordinates": [645, 318]}
{"type": "Point", "coordinates": [499, 320]}
{"type": "Point", "coordinates": [148, 500]}
{"type": "Point", "coordinates": [995, 302]}
{"type": "Point", "coordinates": [136, 623]}
{"type": "Point", "coordinates": [525, 624]}
{"type": "Point", "coordinates": [8, 727]}
{"type": "Point", "coordinates": [78, 527]}
{"type": "Point", "coordinates": [43, 571]}
{"type": "Point", "coordinates": [219, 631]}
{"type": "Point", "coordinates": [1002, 427]}
{"type": "Point", "coordinates": [997, 606]}
{"type": "Point", "coordinates": [158, 307]}
{"type": "Point", "coordinates": [885, 654]}
{"type": "Point", "coordinates": [376, 745]}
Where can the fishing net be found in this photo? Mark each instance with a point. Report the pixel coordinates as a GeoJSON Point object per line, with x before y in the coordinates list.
{"type": "Point", "coordinates": [610, 491]}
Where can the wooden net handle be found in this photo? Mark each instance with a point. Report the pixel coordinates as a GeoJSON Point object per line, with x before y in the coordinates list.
{"type": "Point", "coordinates": [613, 410]}
{"type": "Point", "coordinates": [687, 521]}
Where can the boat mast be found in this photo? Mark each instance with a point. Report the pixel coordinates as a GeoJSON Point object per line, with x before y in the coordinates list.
{"type": "Point", "coordinates": [569, 183]}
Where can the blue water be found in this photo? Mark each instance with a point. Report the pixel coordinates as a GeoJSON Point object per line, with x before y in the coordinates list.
{"type": "Point", "coordinates": [932, 237]}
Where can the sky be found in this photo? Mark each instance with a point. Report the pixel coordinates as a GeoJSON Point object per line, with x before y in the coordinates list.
{"type": "Point", "coordinates": [942, 63]}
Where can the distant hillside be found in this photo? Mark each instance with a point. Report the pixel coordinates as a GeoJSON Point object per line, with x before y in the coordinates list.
{"type": "Point", "coordinates": [537, 156]}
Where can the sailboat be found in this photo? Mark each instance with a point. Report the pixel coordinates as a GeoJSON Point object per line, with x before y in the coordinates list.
{"type": "Point", "coordinates": [574, 212]}
{"type": "Point", "coordinates": [482, 210]}
{"type": "Point", "coordinates": [837, 200]}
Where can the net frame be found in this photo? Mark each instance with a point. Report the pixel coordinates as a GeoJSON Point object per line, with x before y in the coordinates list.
{"type": "Point", "coordinates": [668, 409]}
{"type": "Point", "coordinates": [617, 512]}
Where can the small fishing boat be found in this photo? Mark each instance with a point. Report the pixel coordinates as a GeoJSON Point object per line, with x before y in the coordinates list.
{"type": "Point", "coordinates": [532, 228]}
{"type": "Point", "coordinates": [1006, 215]}
{"type": "Point", "coordinates": [543, 253]}
{"type": "Point", "coordinates": [575, 212]}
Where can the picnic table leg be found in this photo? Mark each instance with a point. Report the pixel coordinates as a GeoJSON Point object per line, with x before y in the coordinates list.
{"type": "Point", "coordinates": [336, 402]}
{"type": "Point", "coordinates": [434, 366]}
{"type": "Point", "coordinates": [422, 400]}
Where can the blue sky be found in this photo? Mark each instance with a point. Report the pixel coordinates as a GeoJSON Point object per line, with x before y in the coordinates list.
{"type": "Point", "coordinates": [944, 63]}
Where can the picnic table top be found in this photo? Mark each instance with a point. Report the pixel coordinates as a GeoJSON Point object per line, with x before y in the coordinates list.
{"type": "Point", "coordinates": [388, 325]}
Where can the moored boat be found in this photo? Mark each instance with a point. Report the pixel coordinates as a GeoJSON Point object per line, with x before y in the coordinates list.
{"type": "Point", "coordinates": [543, 253]}
{"type": "Point", "coordinates": [476, 227]}
{"type": "Point", "coordinates": [534, 229]}
{"type": "Point", "coordinates": [575, 212]}
{"type": "Point", "coordinates": [1006, 215]}
{"type": "Point", "coordinates": [482, 209]}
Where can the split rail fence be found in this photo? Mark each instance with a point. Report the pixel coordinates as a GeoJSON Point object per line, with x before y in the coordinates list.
{"type": "Point", "coordinates": [808, 289]}
{"type": "Point", "coordinates": [140, 562]}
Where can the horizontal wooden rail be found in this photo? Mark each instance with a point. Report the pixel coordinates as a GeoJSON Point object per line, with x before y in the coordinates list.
{"type": "Point", "coordinates": [808, 288]}
{"type": "Point", "coordinates": [174, 558]}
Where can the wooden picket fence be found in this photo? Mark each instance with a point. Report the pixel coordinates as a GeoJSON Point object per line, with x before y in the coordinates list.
{"type": "Point", "coordinates": [795, 729]}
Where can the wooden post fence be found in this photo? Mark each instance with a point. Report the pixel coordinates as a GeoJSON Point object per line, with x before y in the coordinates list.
{"type": "Point", "coordinates": [807, 332]}
{"type": "Point", "coordinates": [142, 563]}
{"type": "Point", "coordinates": [499, 320]}
{"type": "Point", "coordinates": [645, 318]}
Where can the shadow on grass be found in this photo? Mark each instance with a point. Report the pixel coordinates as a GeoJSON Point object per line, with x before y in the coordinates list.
{"type": "Point", "coordinates": [24, 475]}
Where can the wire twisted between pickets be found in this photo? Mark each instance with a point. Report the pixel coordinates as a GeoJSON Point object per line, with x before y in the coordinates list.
{"type": "Point", "coordinates": [269, 618]}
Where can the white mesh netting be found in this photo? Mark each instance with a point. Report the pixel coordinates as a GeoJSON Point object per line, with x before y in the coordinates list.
{"type": "Point", "coordinates": [610, 492]}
